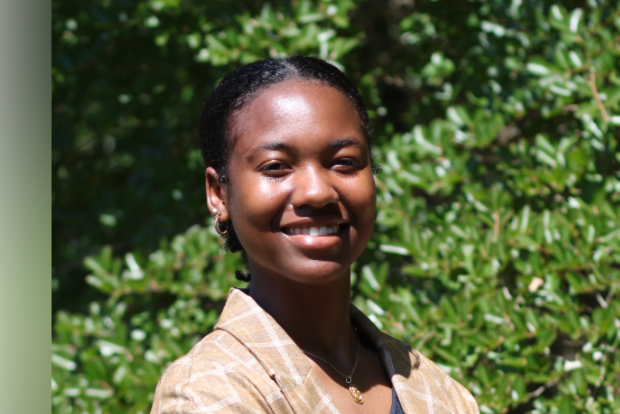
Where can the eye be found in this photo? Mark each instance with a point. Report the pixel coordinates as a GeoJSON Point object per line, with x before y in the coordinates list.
{"type": "Point", "coordinates": [275, 169]}
{"type": "Point", "coordinates": [347, 164]}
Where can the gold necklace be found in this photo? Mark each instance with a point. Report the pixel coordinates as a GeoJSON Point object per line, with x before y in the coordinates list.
{"type": "Point", "coordinates": [355, 392]}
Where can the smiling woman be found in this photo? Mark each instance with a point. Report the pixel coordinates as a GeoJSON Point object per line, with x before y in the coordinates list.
{"type": "Point", "coordinates": [300, 163]}
{"type": "Point", "coordinates": [287, 149]}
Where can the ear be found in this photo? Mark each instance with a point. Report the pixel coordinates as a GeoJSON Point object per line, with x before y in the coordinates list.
{"type": "Point", "coordinates": [216, 194]}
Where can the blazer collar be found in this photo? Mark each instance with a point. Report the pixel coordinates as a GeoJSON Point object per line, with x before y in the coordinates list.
{"type": "Point", "coordinates": [399, 359]}
{"type": "Point", "coordinates": [255, 329]}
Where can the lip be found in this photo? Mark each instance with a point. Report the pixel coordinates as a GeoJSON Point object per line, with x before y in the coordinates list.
{"type": "Point", "coordinates": [313, 231]}
{"type": "Point", "coordinates": [315, 234]}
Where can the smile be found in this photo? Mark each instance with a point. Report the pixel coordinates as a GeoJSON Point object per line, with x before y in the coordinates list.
{"type": "Point", "coordinates": [311, 231]}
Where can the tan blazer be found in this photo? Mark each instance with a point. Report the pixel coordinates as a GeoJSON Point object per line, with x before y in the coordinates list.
{"type": "Point", "coordinates": [250, 365]}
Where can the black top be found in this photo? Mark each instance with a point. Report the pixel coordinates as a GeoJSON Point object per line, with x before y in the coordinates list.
{"type": "Point", "coordinates": [396, 408]}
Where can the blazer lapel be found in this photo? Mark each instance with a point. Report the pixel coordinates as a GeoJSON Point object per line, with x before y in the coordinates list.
{"type": "Point", "coordinates": [420, 385]}
{"type": "Point", "coordinates": [277, 353]}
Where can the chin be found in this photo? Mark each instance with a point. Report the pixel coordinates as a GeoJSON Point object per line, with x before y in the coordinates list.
{"type": "Point", "coordinates": [318, 279]}
{"type": "Point", "coordinates": [318, 272]}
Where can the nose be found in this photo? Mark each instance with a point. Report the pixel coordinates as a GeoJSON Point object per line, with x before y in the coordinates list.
{"type": "Point", "coordinates": [314, 188]}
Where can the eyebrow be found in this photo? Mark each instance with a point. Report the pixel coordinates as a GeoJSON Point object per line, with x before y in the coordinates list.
{"type": "Point", "coordinates": [342, 143]}
{"type": "Point", "coordinates": [274, 146]}
{"type": "Point", "coordinates": [282, 146]}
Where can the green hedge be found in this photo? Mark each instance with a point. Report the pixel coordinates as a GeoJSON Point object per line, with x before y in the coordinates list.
{"type": "Point", "coordinates": [497, 246]}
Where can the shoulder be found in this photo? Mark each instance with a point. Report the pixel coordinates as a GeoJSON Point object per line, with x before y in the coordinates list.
{"type": "Point", "coordinates": [218, 375]}
{"type": "Point", "coordinates": [421, 386]}
{"type": "Point", "coordinates": [457, 392]}
{"type": "Point", "coordinates": [421, 383]}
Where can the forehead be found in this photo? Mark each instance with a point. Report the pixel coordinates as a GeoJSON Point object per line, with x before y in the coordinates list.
{"type": "Point", "coordinates": [297, 109]}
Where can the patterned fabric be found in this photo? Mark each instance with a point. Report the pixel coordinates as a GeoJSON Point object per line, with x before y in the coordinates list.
{"type": "Point", "coordinates": [250, 365]}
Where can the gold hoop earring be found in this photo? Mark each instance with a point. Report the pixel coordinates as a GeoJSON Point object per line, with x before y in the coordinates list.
{"type": "Point", "coordinates": [218, 225]}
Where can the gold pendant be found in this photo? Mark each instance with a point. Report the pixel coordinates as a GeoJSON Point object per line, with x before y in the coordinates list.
{"type": "Point", "coordinates": [356, 394]}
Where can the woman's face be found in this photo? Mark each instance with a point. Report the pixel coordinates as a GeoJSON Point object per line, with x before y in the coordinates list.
{"type": "Point", "coordinates": [302, 193]}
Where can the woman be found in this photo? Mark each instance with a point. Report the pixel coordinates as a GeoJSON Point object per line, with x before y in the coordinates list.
{"type": "Point", "coordinates": [289, 181]}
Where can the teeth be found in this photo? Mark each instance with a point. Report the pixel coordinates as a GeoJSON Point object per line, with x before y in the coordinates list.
{"type": "Point", "coordinates": [312, 231]}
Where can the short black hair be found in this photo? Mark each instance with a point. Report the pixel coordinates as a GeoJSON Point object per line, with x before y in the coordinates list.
{"type": "Point", "coordinates": [244, 84]}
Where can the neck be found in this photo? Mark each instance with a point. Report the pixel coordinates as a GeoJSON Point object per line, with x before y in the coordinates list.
{"type": "Point", "coordinates": [316, 317]}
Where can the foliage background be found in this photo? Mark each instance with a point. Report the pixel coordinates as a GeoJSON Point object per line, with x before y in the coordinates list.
{"type": "Point", "coordinates": [497, 250]}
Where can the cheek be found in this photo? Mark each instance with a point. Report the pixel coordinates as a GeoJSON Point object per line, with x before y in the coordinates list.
{"type": "Point", "coordinates": [256, 203]}
{"type": "Point", "coordinates": [369, 211]}
{"type": "Point", "coordinates": [362, 198]}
